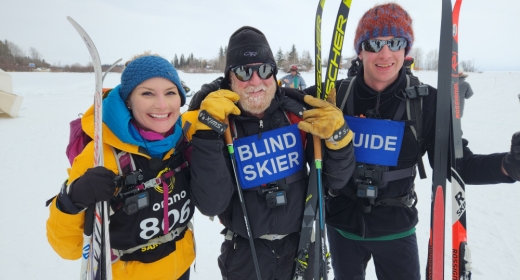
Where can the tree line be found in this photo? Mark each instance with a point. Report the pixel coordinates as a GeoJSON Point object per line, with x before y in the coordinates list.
{"type": "Point", "coordinates": [14, 58]}
{"type": "Point", "coordinates": [430, 60]}
{"type": "Point", "coordinates": [283, 60]}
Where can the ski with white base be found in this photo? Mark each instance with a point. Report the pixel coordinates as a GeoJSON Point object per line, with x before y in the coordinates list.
{"type": "Point", "coordinates": [96, 262]}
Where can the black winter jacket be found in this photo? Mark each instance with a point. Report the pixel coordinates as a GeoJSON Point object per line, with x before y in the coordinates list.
{"type": "Point", "coordinates": [345, 214]}
{"type": "Point", "coordinates": [214, 187]}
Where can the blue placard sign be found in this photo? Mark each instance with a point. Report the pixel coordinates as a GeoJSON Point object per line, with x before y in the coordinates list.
{"type": "Point", "coordinates": [278, 154]}
{"type": "Point", "coordinates": [376, 141]}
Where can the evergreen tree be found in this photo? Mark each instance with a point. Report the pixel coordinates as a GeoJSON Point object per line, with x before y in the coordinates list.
{"type": "Point", "coordinates": [182, 62]}
{"type": "Point", "coordinates": [293, 55]}
{"type": "Point", "coordinates": [175, 61]}
{"type": "Point", "coordinates": [221, 63]}
{"type": "Point", "coordinates": [279, 58]}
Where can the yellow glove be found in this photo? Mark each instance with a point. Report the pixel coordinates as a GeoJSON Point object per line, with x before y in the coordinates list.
{"type": "Point", "coordinates": [326, 121]}
{"type": "Point", "coordinates": [215, 108]}
{"type": "Point", "coordinates": [331, 98]}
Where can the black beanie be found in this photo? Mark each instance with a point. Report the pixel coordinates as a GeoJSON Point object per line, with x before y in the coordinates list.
{"type": "Point", "coordinates": [247, 45]}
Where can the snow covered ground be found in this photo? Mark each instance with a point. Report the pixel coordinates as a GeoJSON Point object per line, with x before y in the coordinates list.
{"type": "Point", "coordinates": [33, 166]}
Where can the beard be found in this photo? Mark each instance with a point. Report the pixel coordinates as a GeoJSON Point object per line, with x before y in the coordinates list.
{"type": "Point", "coordinates": [254, 104]}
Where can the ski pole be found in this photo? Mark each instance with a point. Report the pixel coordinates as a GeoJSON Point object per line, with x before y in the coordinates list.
{"type": "Point", "coordinates": [229, 142]}
{"type": "Point", "coordinates": [319, 272]}
{"type": "Point", "coordinates": [334, 61]}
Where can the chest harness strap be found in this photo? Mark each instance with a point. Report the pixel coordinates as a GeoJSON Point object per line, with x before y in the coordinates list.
{"type": "Point", "coordinates": [126, 165]}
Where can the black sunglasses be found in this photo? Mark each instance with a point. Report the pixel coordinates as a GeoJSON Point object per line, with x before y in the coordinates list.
{"type": "Point", "coordinates": [245, 72]}
{"type": "Point", "coordinates": [376, 45]}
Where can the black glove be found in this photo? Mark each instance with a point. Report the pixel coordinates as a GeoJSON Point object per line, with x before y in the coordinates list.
{"type": "Point", "coordinates": [200, 95]}
{"type": "Point", "coordinates": [97, 184]}
{"type": "Point", "coordinates": [511, 162]}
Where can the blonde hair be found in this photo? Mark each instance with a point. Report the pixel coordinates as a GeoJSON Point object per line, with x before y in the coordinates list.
{"type": "Point", "coordinates": [145, 53]}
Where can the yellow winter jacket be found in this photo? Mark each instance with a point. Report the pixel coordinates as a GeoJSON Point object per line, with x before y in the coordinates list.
{"type": "Point", "coordinates": [65, 231]}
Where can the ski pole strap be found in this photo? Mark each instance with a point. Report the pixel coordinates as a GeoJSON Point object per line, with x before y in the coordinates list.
{"type": "Point", "coordinates": [159, 240]}
{"type": "Point", "coordinates": [211, 122]}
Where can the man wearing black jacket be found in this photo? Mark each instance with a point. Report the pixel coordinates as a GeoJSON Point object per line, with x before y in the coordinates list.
{"type": "Point", "coordinates": [270, 158]}
{"type": "Point", "coordinates": [381, 224]}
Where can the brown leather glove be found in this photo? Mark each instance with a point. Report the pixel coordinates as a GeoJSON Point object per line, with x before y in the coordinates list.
{"type": "Point", "coordinates": [326, 121]}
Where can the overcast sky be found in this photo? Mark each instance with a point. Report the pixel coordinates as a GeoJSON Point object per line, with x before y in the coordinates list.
{"type": "Point", "coordinates": [121, 28]}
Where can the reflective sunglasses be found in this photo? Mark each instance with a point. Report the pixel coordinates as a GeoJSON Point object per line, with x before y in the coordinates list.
{"type": "Point", "coordinates": [245, 72]}
{"type": "Point", "coordinates": [376, 45]}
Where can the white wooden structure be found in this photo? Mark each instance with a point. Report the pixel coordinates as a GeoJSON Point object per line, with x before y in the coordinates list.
{"type": "Point", "coordinates": [9, 102]}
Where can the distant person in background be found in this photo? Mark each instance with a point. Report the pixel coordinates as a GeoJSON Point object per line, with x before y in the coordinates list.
{"type": "Point", "coordinates": [293, 80]}
{"type": "Point", "coordinates": [465, 91]}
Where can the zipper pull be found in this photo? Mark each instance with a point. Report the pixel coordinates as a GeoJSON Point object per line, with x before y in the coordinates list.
{"type": "Point", "coordinates": [261, 125]}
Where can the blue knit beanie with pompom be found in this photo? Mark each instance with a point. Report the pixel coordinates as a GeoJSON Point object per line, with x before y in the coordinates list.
{"type": "Point", "coordinates": [147, 67]}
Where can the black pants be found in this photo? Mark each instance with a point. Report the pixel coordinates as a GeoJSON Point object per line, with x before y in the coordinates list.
{"type": "Point", "coordinates": [275, 258]}
{"type": "Point", "coordinates": [393, 259]}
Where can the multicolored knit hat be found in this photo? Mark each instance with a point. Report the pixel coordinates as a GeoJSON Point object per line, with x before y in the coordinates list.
{"type": "Point", "coordinates": [384, 20]}
{"type": "Point", "coordinates": [147, 67]}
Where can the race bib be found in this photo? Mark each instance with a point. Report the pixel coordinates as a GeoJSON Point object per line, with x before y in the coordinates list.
{"type": "Point", "coordinates": [278, 154]}
{"type": "Point", "coordinates": [376, 141]}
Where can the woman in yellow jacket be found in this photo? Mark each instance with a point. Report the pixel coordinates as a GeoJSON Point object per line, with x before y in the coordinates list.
{"type": "Point", "coordinates": [143, 133]}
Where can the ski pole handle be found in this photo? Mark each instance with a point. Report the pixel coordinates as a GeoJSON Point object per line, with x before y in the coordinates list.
{"type": "Point", "coordinates": [227, 134]}
{"type": "Point", "coordinates": [317, 147]}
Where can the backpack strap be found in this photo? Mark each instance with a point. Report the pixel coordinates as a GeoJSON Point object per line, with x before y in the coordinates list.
{"type": "Point", "coordinates": [414, 114]}
{"type": "Point", "coordinates": [125, 161]}
{"type": "Point", "coordinates": [344, 89]}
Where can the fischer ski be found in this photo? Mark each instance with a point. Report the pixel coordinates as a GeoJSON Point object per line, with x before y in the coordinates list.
{"type": "Point", "coordinates": [461, 257]}
{"type": "Point", "coordinates": [438, 205]}
{"type": "Point", "coordinates": [315, 192]}
{"type": "Point", "coordinates": [336, 47]}
{"type": "Point", "coordinates": [311, 199]}
{"type": "Point", "coordinates": [96, 257]}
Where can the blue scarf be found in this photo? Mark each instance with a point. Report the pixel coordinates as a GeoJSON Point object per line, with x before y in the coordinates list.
{"type": "Point", "coordinates": [118, 118]}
